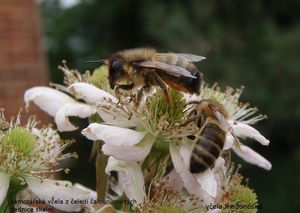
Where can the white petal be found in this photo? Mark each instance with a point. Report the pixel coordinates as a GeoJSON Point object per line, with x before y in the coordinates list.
{"type": "Point", "coordinates": [74, 109]}
{"type": "Point", "coordinates": [130, 176]}
{"type": "Point", "coordinates": [62, 191]}
{"type": "Point", "coordinates": [4, 184]}
{"type": "Point", "coordinates": [46, 98]}
{"type": "Point", "coordinates": [116, 120]}
{"type": "Point", "coordinates": [122, 143]}
{"type": "Point", "coordinates": [245, 131]}
{"type": "Point", "coordinates": [208, 182]}
{"type": "Point", "coordinates": [189, 98]}
{"type": "Point", "coordinates": [219, 165]}
{"type": "Point", "coordinates": [129, 153]}
{"type": "Point", "coordinates": [174, 181]}
{"type": "Point", "coordinates": [252, 157]}
{"type": "Point", "coordinates": [111, 135]}
{"type": "Point", "coordinates": [93, 194]}
{"type": "Point", "coordinates": [229, 142]}
{"type": "Point", "coordinates": [189, 181]}
{"type": "Point", "coordinates": [90, 93]}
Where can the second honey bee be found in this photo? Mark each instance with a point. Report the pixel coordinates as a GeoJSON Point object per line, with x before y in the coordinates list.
{"type": "Point", "coordinates": [210, 117]}
{"type": "Point", "coordinates": [143, 68]}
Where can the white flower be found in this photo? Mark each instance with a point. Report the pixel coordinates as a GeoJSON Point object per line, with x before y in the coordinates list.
{"type": "Point", "coordinates": [27, 154]}
{"type": "Point", "coordinates": [104, 101]}
{"type": "Point", "coordinates": [121, 143]}
{"type": "Point", "coordinates": [59, 105]}
{"type": "Point", "coordinates": [130, 177]}
{"type": "Point", "coordinates": [126, 147]}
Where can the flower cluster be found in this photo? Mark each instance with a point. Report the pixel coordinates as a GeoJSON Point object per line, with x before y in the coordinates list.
{"type": "Point", "coordinates": [28, 155]}
{"type": "Point", "coordinates": [150, 145]}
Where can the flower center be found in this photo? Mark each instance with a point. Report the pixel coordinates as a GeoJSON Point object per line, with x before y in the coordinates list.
{"type": "Point", "coordinates": [99, 77]}
{"type": "Point", "coordinates": [161, 107]}
{"type": "Point", "coordinates": [21, 139]}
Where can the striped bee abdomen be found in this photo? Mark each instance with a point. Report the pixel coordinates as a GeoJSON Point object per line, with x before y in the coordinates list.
{"type": "Point", "coordinates": [207, 148]}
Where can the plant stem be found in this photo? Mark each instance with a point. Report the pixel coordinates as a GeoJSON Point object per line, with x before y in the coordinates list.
{"type": "Point", "coordinates": [101, 177]}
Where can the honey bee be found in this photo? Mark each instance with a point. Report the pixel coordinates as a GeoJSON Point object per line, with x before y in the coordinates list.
{"type": "Point", "coordinates": [143, 68]}
{"type": "Point", "coordinates": [210, 117]}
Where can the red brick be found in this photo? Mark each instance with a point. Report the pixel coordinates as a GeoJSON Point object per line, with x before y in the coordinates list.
{"type": "Point", "coordinates": [23, 63]}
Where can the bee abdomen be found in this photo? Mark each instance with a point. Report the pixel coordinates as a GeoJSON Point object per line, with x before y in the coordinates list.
{"type": "Point", "coordinates": [214, 133]}
{"type": "Point", "coordinates": [207, 148]}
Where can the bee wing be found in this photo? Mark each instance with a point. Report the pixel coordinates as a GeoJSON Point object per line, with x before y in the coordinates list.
{"type": "Point", "coordinates": [221, 119]}
{"type": "Point", "coordinates": [226, 126]}
{"type": "Point", "coordinates": [169, 69]}
{"type": "Point", "coordinates": [190, 57]}
{"type": "Point", "coordinates": [186, 56]}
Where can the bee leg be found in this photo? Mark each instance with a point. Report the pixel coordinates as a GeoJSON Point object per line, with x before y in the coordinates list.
{"type": "Point", "coordinates": [139, 96]}
{"type": "Point", "coordinates": [163, 86]}
{"type": "Point", "coordinates": [191, 119]}
{"type": "Point", "coordinates": [236, 140]}
{"type": "Point", "coordinates": [193, 102]}
{"type": "Point", "coordinates": [118, 94]}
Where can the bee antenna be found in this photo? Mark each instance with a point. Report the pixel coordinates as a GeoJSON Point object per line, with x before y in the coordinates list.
{"type": "Point", "coordinates": [99, 61]}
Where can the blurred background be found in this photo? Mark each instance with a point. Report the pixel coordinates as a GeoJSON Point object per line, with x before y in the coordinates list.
{"type": "Point", "coordinates": [251, 43]}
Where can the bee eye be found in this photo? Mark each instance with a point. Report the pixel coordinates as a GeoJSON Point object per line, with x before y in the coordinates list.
{"type": "Point", "coordinates": [117, 64]}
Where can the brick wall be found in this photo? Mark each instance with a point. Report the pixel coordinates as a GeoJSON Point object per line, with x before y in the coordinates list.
{"type": "Point", "coordinates": [22, 60]}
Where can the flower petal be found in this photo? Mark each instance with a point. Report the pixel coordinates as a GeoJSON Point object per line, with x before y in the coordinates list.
{"type": "Point", "coordinates": [90, 93]}
{"type": "Point", "coordinates": [129, 153]}
{"type": "Point", "coordinates": [208, 182]}
{"type": "Point", "coordinates": [61, 191]}
{"type": "Point", "coordinates": [46, 98]}
{"type": "Point", "coordinates": [229, 142]}
{"type": "Point", "coordinates": [219, 165]}
{"type": "Point", "coordinates": [111, 135]}
{"type": "Point", "coordinates": [189, 181]}
{"type": "Point", "coordinates": [252, 157]}
{"type": "Point", "coordinates": [122, 143]}
{"type": "Point", "coordinates": [92, 194]}
{"type": "Point", "coordinates": [74, 109]}
{"type": "Point", "coordinates": [121, 120]}
{"type": "Point", "coordinates": [4, 183]}
{"type": "Point", "coordinates": [130, 176]}
{"type": "Point", "coordinates": [174, 181]}
{"type": "Point", "coordinates": [245, 131]}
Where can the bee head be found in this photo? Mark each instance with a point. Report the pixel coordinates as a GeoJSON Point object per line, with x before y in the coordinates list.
{"type": "Point", "coordinates": [213, 106]}
{"type": "Point", "coordinates": [208, 107]}
{"type": "Point", "coordinates": [116, 71]}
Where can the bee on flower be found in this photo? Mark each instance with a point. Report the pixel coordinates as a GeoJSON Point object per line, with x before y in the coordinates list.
{"type": "Point", "coordinates": [185, 144]}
